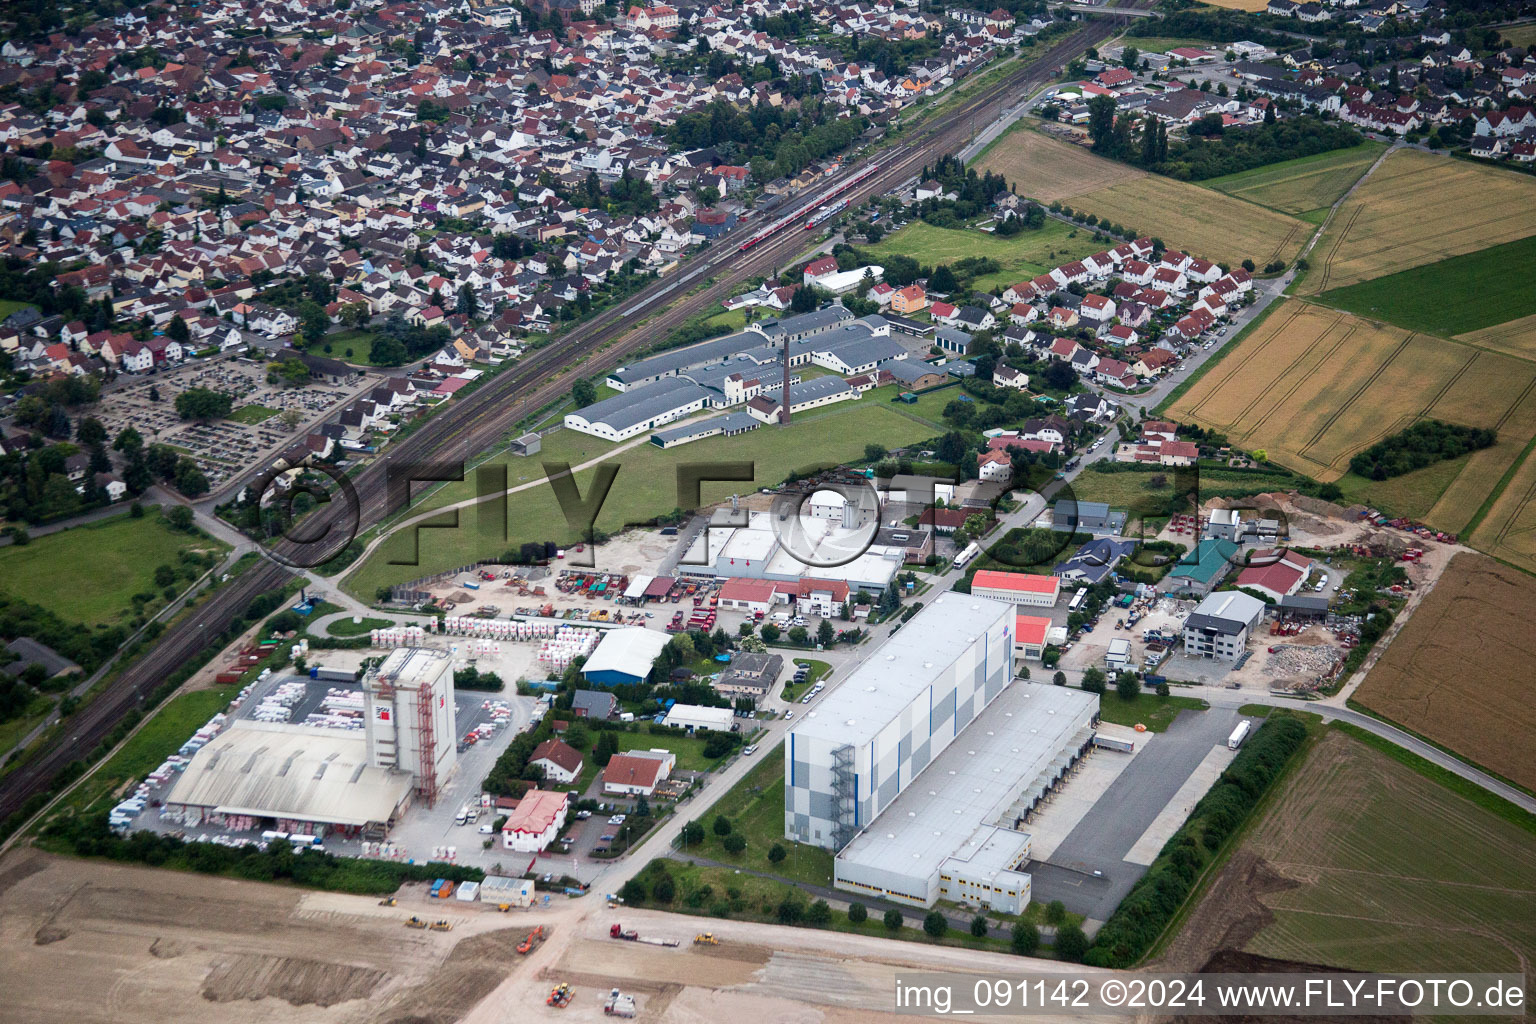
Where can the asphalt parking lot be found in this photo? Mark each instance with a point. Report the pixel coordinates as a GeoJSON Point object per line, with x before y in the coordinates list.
{"type": "Point", "coordinates": [1088, 871]}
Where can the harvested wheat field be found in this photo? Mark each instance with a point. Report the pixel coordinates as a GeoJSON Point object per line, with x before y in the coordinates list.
{"type": "Point", "coordinates": [1251, 6]}
{"type": "Point", "coordinates": [1048, 169]}
{"type": "Point", "coordinates": [1459, 672]}
{"type": "Point", "coordinates": [1199, 221]}
{"type": "Point", "coordinates": [1509, 529]}
{"type": "Point", "coordinates": [1517, 337]}
{"type": "Point", "coordinates": [96, 941]}
{"type": "Point", "coordinates": [1313, 386]}
{"type": "Point", "coordinates": [1416, 209]}
{"type": "Point", "coordinates": [1364, 863]}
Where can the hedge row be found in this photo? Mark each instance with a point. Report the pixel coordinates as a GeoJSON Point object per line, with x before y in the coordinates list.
{"type": "Point", "coordinates": [1150, 905]}
{"type": "Point", "coordinates": [90, 836]}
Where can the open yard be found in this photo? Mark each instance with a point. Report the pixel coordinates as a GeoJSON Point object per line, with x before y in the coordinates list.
{"type": "Point", "coordinates": [646, 485]}
{"type": "Point", "coordinates": [1147, 709]}
{"type": "Point", "coordinates": [1365, 863]}
{"type": "Point", "coordinates": [1021, 257]}
{"type": "Point", "coordinates": [1302, 185]}
{"type": "Point", "coordinates": [1047, 169]}
{"type": "Point", "coordinates": [90, 573]}
{"type": "Point", "coordinates": [1197, 220]}
{"type": "Point", "coordinates": [1474, 292]}
{"type": "Point", "coordinates": [1418, 209]}
{"type": "Point", "coordinates": [1459, 672]}
{"type": "Point", "coordinates": [1313, 386]}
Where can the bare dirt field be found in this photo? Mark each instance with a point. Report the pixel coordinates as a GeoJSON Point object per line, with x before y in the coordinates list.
{"type": "Point", "coordinates": [136, 944]}
{"type": "Point", "coordinates": [1313, 386]}
{"type": "Point", "coordinates": [1459, 672]}
{"type": "Point", "coordinates": [1049, 169]}
{"type": "Point", "coordinates": [1416, 209]}
{"type": "Point", "coordinates": [93, 941]}
{"type": "Point", "coordinates": [1200, 221]}
{"type": "Point", "coordinates": [1365, 864]}
{"type": "Point", "coordinates": [1239, 5]}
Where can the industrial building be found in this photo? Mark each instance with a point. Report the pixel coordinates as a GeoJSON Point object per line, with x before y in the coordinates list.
{"type": "Point", "coordinates": [1031, 634]}
{"type": "Point", "coordinates": [633, 413]}
{"type": "Point", "coordinates": [850, 757]}
{"type": "Point", "coordinates": [1219, 627]}
{"type": "Point", "coordinates": [624, 656]}
{"type": "Point", "coordinates": [534, 823]}
{"type": "Point", "coordinates": [750, 676]}
{"type": "Point", "coordinates": [957, 831]}
{"type": "Point", "coordinates": [1020, 588]}
{"type": "Point", "coordinates": [698, 718]}
{"type": "Point", "coordinates": [758, 551]}
{"type": "Point", "coordinates": [1093, 517]}
{"type": "Point", "coordinates": [298, 778]}
{"type": "Point", "coordinates": [1201, 570]}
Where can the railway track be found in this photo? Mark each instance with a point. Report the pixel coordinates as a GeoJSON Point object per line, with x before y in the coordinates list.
{"type": "Point", "coordinates": [485, 417]}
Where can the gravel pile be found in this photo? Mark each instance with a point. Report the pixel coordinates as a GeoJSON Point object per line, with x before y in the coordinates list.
{"type": "Point", "coordinates": [1295, 660]}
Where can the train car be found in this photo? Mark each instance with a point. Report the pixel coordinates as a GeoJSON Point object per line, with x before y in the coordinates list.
{"type": "Point", "coordinates": [821, 216]}
{"type": "Point", "coordinates": [807, 210]}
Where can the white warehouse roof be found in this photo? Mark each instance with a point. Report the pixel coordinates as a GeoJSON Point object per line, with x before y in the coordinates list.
{"type": "Point", "coordinates": [901, 669]}
{"type": "Point", "coordinates": [630, 651]}
{"type": "Point", "coordinates": [975, 781]}
{"type": "Point", "coordinates": [280, 770]}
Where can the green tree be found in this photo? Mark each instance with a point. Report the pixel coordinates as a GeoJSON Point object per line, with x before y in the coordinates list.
{"type": "Point", "coordinates": [664, 890]}
{"type": "Point", "coordinates": [1127, 686]}
{"type": "Point", "coordinates": [1025, 939]}
{"type": "Point", "coordinates": [770, 632]}
{"type": "Point", "coordinates": [179, 517]}
{"type": "Point", "coordinates": [858, 913]}
{"type": "Point", "coordinates": [1130, 58]}
{"type": "Point", "coordinates": [776, 853]}
{"type": "Point", "coordinates": [935, 925]}
{"type": "Point", "coordinates": [1059, 679]}
{"type": "Point", "coordinates": [893, 920]}
{"type": "Point", "coordinates": [978, 927]}
{"type": "Point", "coordinates": [584, 392]}
{"type": "Point", "coordinates": [90, 432]}
{"type": "Point", "coordinates": [1094, 680]}
{"type": "Point", "coordinates": [633, 892]}
{"type": "Point", "coordinates": [693, 834]}
{"type": "Point", "coordinates": [825, 633]}
{"type": "Point", "coordinates": [190, 480]}
{"type": "Point", "coordinates": [1071, 944]}
{"type": "Point", "coordinates": [177, 331]}
{"type": "Point", "coordinates": [799, 635]}
{"type": "Point", "coordinates": [722, 825]}
{"type": "Point", "coordinates": [791, 910]}
{"type": "Point", "coordinates": [803, 300]}
{"type": "Point", "coordinates": [819, 915]}
{"type": "Point", "coordinates": [734, 843]}
{"type": "Point", "coordinates": [1055, 913]}
{"type": "Point", "coordinates": [607, 746]}
{"type": "Point", "coordinates": [942, 279]}
{"type": "Point", "coordinates": [313, 321]}
{"type": "Point", "coordinates": [203, 404]}
{"type": "Point", "coordinates": [1101, 122]}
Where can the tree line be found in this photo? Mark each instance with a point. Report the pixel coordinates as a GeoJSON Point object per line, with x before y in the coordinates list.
{"type": "Point", "coordinates": [1423, 444]}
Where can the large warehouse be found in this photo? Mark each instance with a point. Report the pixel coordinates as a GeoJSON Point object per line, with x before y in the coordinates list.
{"type": "Point", "coordinates": [955, 833]}
{"type": "Point", "coordinates": [624, 656]}
{"type": "Point", "coordinates": [849, 757]}
{"type": "Point", "coordinates": [1021, 588]}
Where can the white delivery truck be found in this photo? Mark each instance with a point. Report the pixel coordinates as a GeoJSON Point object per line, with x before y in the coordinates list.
{"type": "Point", "coordinates": [1238, 735]}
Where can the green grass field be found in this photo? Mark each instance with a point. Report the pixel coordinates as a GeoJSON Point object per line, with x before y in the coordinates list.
{"type": "Point", "coordinates": [1394, 870]}
{"type": "Point", "coordinates": [358, 343]}
{"type": "Point", "coordinates": [1155, 712]}
{"type": "Point", "coordinates": [755, 808]}
{"type": "Point", "coordinates": [1411, 495]}
{"type": "Point", "coordinates": [1021, 257]}
{"type": "Point", "coordinates": [1131, 490]}
{"type": "Point", "coordinates": [346, 627]}
{"type": "Point", "coordinates": [89, 574]}
{"type": "Point", "coordinates": [1456, 295]}
{"type": "Point", "coordinates": [160, 737]}
{"type": "Point", "coordinates": [1303, 185]}
{"type": "Point", "coordinates": [646, 485]}
{"type": "Point", "coordinates": [689, 749]}
{"type": "Point", "coordinates": [1519, 35]}
{"type": "Point", "coordinates": [1162, 44]}
{"type": "Point", "coordinates": [734, 319]}
{"type": "Point", "coordinates": [9, 306]}
{"type": "Point", "coordinates": [252, 414]}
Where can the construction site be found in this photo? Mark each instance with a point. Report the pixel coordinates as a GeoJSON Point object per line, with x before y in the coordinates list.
{"type": "Point", "coordinates": [140, 945]}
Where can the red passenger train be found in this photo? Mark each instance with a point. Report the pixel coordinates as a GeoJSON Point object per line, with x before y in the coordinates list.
{"type": "Point", "coordinates": [807, 210]}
